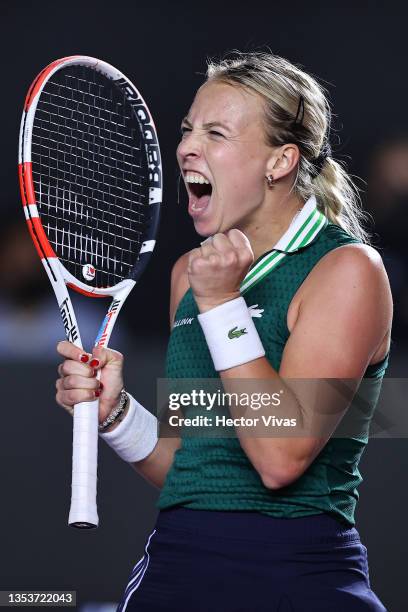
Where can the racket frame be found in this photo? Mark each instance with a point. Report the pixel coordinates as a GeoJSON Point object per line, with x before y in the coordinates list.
{"type": "Point", "coordinates": [83, 511]}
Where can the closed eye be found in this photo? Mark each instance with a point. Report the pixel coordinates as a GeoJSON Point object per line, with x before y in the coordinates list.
{"type": "Point", "coordinates": [184, 130]}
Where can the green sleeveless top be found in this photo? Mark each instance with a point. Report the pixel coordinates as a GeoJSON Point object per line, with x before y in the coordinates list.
{"type": "Point", "coordinates": [215, 473]}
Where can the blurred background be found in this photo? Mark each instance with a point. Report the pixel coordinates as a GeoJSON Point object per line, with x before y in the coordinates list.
{"type": "Point", "coordinates": [358, 51]}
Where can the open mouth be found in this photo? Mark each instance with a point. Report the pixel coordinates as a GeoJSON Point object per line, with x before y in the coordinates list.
{"type": "Point", "coordinates": [199, 190]}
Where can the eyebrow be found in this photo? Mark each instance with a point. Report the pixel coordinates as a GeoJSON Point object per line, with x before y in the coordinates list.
{"type": "Point", "coordinates": [206, 126]}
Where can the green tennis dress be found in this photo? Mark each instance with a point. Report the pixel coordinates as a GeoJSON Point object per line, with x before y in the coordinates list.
{"type": "Point", "coordinates": [214, 473]}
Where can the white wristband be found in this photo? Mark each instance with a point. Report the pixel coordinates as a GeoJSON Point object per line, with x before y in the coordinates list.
{"type": "Point", "coordinates": [231, 335]}
{"type": "Point", "coordinates": [136, 436]}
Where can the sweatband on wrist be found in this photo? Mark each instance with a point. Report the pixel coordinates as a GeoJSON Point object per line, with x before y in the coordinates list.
{"type": "Point", "coordinates": [231, 335]}
{"type": "Point", "coordinates": [136, 436]}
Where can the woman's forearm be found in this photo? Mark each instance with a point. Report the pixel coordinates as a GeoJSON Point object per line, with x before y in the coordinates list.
{"type": "Point", "coordinates": [143, 442]}
{"type": "Point", "coordinates": [154, 467]}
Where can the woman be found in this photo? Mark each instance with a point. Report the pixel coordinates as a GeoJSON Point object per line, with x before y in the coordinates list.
{"type": "Point", "coordinates": [283, 287]}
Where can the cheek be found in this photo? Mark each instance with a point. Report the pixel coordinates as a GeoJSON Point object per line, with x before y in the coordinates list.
{"type": "Point", "coordinates": [244, 179]}
{"type": "Point", "coordinates": [178, 154]}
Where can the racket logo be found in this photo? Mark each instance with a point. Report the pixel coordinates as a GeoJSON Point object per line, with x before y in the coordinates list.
{"type": "Point", "coordinates": [70, 327]}
{"type": "Point", "coordinates": [146, 122]}
{"type": "Point", "coordinates": [103, 332]}
{"type": "Point", "coordinates": [88, 272]}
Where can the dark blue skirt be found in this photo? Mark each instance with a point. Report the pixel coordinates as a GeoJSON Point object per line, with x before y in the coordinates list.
{"type": "Point", "coordinates": [202, 561]}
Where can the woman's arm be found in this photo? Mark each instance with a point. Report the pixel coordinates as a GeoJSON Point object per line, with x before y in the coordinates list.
{"type": "Point", "coordinates": [343, 319]}
{"type": "Point", "coordinates": [154, 467]}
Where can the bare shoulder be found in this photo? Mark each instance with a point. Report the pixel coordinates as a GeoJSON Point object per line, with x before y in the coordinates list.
{"type": "Point", "coordinates": [343, 316]}
{"type": "Point", "coordinates": [179, 284]}
{"type": "Point", "coordinates": [359, 256]}
{"type": "Point", "coordinates": [347, 267]}
{"type": "Point", "coordinates": [180, 267]}
{"type": "Point", "coordinates": [348, 288]}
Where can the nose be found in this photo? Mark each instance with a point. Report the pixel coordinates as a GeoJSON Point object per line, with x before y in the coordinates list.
{"type": "Point", "coordinates": [189, 146]}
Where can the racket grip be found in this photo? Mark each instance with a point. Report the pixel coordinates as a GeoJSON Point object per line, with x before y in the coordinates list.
{"type": "Point", "coordinates": [83, 512]}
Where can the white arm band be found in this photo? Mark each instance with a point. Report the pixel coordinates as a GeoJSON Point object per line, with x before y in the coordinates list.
{"type": "Point", "coordinates": [136, 436]}
{"type": "Point", "coordinates": [231, 335]}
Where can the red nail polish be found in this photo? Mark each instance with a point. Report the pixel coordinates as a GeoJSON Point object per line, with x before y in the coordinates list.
{"type": "Point", "coordinates": [94, 363]}
{"type": "Point", "coordinates": [97, 393]}
{"type": "Point", "coordinates": [100, 386]}
{"type": "Point", "coordinates": [84, 358]}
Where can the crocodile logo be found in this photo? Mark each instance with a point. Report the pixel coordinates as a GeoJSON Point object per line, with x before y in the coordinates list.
{"type": "Point", "coordinates": [254, 311]}
{"type": "Point", "coordinates": [236, 333]}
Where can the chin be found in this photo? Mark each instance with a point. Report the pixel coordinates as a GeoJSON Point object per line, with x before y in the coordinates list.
{"type": "Point", "coordinates": [202, 233]}
{"type": "Point", "coordinates": [205, 230]}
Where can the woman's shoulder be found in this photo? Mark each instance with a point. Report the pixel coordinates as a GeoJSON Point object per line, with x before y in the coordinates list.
{"type": "Point", "coordinates": [350, 263]}
{"type": "Point", "coordinates": [179, 284]}
{"type": "Point", "coordinates": [353, 278]}
{"type": "Point", "coordinates": [356, 255]}
{"type": "Point", "coordinates": [341, 248]}
{"type": "Point", "coordinates": [180, 268]}
{"type": "Point", "coordinates": [344, 272]}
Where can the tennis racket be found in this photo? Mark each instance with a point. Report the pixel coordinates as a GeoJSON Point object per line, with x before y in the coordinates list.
{"type": "Point", "coordinates": [91, 185]}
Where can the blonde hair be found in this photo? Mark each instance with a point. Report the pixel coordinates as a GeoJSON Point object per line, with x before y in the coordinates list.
{"type": "Point", "coordinates": [285, 89]}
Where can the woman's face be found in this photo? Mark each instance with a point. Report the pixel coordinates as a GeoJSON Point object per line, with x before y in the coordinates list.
{"type": "Point", "coordinates": [223, 143]}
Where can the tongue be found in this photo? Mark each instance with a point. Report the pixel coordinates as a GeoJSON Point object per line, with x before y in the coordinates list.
{"type": "Point", "coordinates": [204, 201]}
{"type": "Point", "coordinates": [199, 203]}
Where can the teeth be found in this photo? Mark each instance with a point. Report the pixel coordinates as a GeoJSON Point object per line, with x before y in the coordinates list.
{"type": "Point", "coordinates": [197, 208]}
{"type": "Point", "coordinates": [196, 178]}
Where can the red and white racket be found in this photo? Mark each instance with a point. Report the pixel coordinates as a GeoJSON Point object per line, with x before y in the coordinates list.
{"type": "Point", "coordinates": [91, 184]}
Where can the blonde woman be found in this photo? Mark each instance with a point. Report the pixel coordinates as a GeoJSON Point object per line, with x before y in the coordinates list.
{"type": "Point", "coordinates": [286, 287]}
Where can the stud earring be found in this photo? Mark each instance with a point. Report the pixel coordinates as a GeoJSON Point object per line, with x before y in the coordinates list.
{"type": "Point", "coordinates": [271, 181]}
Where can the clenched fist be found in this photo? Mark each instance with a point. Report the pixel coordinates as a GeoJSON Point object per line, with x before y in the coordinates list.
{"type": "Point", "coordinates": [217, 268]}
{"type": "Point", "coordinates": [78, 380]}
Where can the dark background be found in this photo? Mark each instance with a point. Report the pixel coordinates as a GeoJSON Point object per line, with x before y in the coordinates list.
{"type": "Point", "coordinates": [358, 50]}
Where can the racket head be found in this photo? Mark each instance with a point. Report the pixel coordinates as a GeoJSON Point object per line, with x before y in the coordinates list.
{"type": "Point", "coordinates": [90, 174]}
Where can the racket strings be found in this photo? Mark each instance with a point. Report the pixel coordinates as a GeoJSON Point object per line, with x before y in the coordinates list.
{"type": "Point", "coordinates": [90, 174]}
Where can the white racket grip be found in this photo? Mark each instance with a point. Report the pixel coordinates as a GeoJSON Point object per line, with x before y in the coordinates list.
{"type": "Point", "coordinates": [83, 510]}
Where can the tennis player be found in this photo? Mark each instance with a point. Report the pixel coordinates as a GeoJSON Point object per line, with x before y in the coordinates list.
{"type": "Point", "coordinates": [284, 286]}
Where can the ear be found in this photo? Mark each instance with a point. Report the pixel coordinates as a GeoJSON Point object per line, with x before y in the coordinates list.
{"type": "Point", "coordinates": [283, 161]}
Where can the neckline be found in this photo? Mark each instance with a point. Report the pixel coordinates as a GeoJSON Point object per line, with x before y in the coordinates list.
{"type": "Point", "coordinates": [304, 228]}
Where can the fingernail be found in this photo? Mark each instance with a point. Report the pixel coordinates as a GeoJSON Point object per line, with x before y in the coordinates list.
{"type": "Point", "coordinates": [100, 385]}
{"type": "Point", "coordinates": [94, 363]}
{"type": "Point", "coordinates": [97, 393]}
{"type": "Point", "coordinates": [84, 358]}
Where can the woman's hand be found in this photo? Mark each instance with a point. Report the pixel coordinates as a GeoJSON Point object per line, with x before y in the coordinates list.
{"type": "Point", "coordinates": [217, 268]}
{"type": "Point", "coordinates": [78, 380]}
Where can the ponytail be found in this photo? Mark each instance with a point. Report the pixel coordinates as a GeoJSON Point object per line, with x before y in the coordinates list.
{"type": "Point", "coordinates": [339, 200]}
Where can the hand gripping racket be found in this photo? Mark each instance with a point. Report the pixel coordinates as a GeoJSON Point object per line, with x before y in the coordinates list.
{"type": "Point", "coordinates": [91, 184]}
